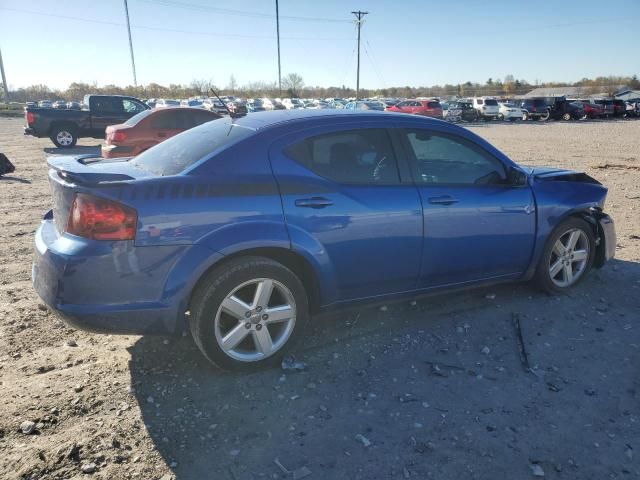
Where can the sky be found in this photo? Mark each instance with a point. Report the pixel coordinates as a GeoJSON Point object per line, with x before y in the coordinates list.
{"type": "Point", "coordinates": [404, 42]}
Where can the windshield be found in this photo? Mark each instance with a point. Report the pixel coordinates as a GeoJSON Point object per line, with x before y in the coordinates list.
{"type": "Point", "coordinates": [136, 118]}
{"type": "Point", "coordinates": [177, 153]}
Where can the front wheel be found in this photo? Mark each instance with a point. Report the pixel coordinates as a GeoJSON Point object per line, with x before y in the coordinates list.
{"type": "Point", "coordinates": [567, 257]}
{"type": "Point", "coordinates": [566, 116]}
{"type": "Point", "coordinates": [247, 313]}
{"type": "Point", "coordinates": [64, 137]}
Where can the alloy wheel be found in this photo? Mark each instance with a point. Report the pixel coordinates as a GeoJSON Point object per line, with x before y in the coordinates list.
{"type": "Point", "coordinates": [64, 138]}
{"type": "Point", "coordinates": [569, 257]}
{"type": "Point", "coordinates": [255, 320]}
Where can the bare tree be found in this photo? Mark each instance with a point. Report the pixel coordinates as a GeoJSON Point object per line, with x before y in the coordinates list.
{"type": "Point", "coordinates": [293, 82]}
{"type": "Point", "coordinates": [233, 84]}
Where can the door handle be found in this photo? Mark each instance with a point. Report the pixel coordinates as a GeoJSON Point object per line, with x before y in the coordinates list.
{"type": "Point", "coordinates": [313, 202]}
{"type": "Point", "coordinates": [443, 200]}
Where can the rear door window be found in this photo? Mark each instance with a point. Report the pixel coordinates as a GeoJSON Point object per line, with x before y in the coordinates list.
{"type": "Point", "coordinates": [363, 156]}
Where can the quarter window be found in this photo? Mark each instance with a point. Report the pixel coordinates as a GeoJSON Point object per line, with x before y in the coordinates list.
{"type": "Point", "coordinates": [446, 159]}
{"type": "Point", "coordinates": [356, 156]}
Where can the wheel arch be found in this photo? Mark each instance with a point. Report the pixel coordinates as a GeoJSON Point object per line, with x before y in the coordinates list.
{"type": "Point", "coordinates": [62, 123]}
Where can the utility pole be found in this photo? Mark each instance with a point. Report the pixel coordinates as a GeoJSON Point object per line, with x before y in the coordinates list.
{"type": "Point", "coordinates": [278, 33]}
{"type": "Point", "coordinates": [133, 62]}
{"type": "Point", "coordinates": [4, 80]}
{"type": "Point", "coordinates": [359, 16]}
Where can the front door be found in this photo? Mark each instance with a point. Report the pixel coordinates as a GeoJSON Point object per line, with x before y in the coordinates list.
{"type": "Point", "coordinates": [477, 226]}
{"type": "Point", "coordinates": [347, 206]}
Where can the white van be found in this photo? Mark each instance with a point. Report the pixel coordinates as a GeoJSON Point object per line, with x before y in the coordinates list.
{"type": "Point", "coordinates": [487, 107]}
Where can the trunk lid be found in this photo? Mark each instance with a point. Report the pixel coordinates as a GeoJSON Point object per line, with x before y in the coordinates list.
{"type": "Point", "coordinates": [69, 175]}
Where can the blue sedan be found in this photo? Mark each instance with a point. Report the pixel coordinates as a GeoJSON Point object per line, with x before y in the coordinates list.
{"type": "Point", "coordinates": [241, 229]}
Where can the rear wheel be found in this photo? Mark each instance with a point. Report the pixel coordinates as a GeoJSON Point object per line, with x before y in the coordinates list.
{"type": "Point", "coordinates": [64, 136]}
{"type": "Point", "coordinates": [567, 257]}
{"type": "Point", "coordinates": [566, 116]}
{"type": "Point", "coordinates": [247, 313]}
{"type": "Point", "coordinates": [545, 116]}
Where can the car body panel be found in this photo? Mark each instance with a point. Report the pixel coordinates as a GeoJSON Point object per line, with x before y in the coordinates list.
{"type": "Point", "coordinates": [372, 242]}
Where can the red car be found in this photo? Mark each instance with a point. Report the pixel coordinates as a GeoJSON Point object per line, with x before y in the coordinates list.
{"type": "Point", "coordinates": [151, 127]}
{"type": "Point", "coordinates": [428, 108]}
{"type": "Point", "coordinates": [592, 109]}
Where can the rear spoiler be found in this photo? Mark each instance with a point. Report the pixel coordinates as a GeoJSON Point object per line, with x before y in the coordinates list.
{"type": "Point", "coordinates": [78, 169]}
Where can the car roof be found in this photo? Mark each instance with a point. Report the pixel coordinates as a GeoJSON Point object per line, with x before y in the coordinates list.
{"type": "Point", "coordinates": [264, 120]}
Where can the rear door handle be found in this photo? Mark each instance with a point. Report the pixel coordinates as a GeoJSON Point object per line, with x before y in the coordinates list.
{"type": "Point", "coordinates": [313, 202]}
{"type": "Point", "coordinates": [443, 200]}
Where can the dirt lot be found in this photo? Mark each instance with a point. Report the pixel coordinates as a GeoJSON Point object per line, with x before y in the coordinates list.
{"type": "Point", "coordinates": [435, 389]}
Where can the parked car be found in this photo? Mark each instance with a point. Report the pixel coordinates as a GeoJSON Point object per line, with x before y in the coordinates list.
{"type": "Point", "coordinates": [562, 109]}
{"type": "Point", "coordinates": [292, 103]}
{"type": "Point", "coordinates": [486, 107]}
{"type": "Point", "coordinates": [74, 105]}
{"type": "Point", "coordinates": [509, 111]}
{"type": "Point", "coordinates": [255, 106]}
{"type": "Point", "coordinates": [59, 104]}
{"type": "Point", "coordinates": [253, 224]}
{"type": "Point", "coordinates": [633, 107]}
{"type": "Point", "coordinates": [65, 127]}
{"type": "Point", "coordinates": [427, 108]}
{"type": "Point", "coordinates": [607, 106]}
{"type": "Point", "coordinates": [215, 105]}
{"type": "Point", "coordinates": [151, 103]}
{"type": "Point", "coordinates": [461, 111]}
{"type": "Point", "coordinates": [151, 127]}
{"type": "Point", "coordinates": [166, 103]}
{"type": "Point", "coordinates": [45, 104]}
{"type": "Point", "coordinates": [534, 109]}
{"type": "Point", "coordinates": [619, 108]}
{"type": "Point", "coordinates": [237, 107]}
{"type": "Point", "coordinates": [364, 105]}
{"type": "Point", "coordinates": [592, 109]}
{"type": "Point", "coordinates": [192, 103]}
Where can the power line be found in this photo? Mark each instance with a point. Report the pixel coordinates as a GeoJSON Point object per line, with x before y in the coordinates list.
{"type": "Point", "coordinates": [133, 62]}
{"type": "Point", "coordinates": [241, 13]}
{"type": "Point", "coordinates": [171, 30]}
{"type": "Point", "coordinates": [359, 16]}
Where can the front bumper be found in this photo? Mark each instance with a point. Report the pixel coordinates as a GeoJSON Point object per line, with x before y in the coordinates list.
{"type": "Point", "coordinates": [107, 287]}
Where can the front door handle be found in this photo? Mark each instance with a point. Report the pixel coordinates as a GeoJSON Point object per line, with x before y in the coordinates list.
{"type": "Point", "coordinates": [313, 202]}
{"type": "Point", "coordinates": [443, 200]}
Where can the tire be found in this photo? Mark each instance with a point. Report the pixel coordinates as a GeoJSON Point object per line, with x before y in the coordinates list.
{"type": "Point", "coordinates": [551, 260]}
{"type": "Point", "coordinates": [545, 117]}
{"type": "Point", "coordinates": [525, 116]}
{"type": "Point", "coordinates": [257, 341]}
{"type": "Point", "coordinates": [566, 116]}
{"type": "Point", "coordinates": [64, 136]}
{"type": "Point", "coordinates": [501, 117]}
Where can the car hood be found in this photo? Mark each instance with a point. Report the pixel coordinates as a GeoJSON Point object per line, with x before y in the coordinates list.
{"type": "Point", "coordinates": [559, 174]}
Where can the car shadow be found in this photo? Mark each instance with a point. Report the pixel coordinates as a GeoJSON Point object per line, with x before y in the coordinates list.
{"type": "Point", "coordinates": [363, 366]}
{"type": "Point", "coordinates": [77, 150]}
{"type": "Point", "coordinates": [9, 179]}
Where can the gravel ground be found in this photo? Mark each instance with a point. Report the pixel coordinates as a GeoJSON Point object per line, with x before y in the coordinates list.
{"type": "Point", "coordinates": [430, 389]}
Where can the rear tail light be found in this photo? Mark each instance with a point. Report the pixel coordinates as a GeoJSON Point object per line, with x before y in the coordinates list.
{"type": "Point", "coordinates": [118, 136]}
{"type": "Point", "coordinates": [101, 219]}
{"type": "Point", "coordinates": [30, 117]}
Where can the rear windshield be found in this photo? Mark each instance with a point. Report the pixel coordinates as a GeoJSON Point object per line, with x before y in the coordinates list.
{"type": "Point", "coordinates": [136, 118]}
{"type": "Point", "coordinates": [490, 102]}
{"type": "Point", "coordinates": [177, 153]}
{"type": "Point", "coordinates": [433, 105]}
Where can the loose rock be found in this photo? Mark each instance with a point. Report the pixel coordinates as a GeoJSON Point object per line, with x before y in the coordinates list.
{"type": "Point", "coordinates": [27, 427]}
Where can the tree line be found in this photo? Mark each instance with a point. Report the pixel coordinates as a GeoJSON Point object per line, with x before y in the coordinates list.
{"type": "Point", "coordinates": [293, 86]}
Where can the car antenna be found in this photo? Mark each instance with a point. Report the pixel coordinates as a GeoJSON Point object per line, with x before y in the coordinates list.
{"type": "Point", "coordinates": [232, 115]}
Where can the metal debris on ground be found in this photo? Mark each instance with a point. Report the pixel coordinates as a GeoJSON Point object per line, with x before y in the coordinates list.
{"type": "Point", "coordinates": [524, 357]}
{"type": "Point", "coordinates": [536, 470]}
{"type": "Point", "coordinates": [290, 363]}
{"type": "Point", "coordinates": [297, 474]}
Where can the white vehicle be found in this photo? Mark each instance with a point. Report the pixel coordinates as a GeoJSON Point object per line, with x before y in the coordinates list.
{"type": "Point", "coordinates": [214, 105]}
{"type": "Point", "coordinates": [166, 103]}
{"type": "Point", "coordinates": [267, 103]}
{"type": "Point", "coordinates": [509, 111]}
{"type": "Point", "coordinates": [486, 107]}
{"type": "Point", "coordinates": [292, 103]}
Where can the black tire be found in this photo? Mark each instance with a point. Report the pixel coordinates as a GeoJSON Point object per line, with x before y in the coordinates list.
{"type": "Point", "coordinates": [566, 116]}
{"type": "Point", "coordinates": [543, 276]}
{"type": "Point", "coordinates": [546, 116]}
{"type": "Point", "coordinates": [222, 281]}
{"type": "Point", "coordinates": [64, 136]}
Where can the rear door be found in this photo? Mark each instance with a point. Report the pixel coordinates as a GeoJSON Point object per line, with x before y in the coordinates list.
{"type": "Point", "coordinates": [350, 204]}
{"type": "Point", "coordinates": [105, 111]}
{"type": "Point", "coordinates": [477, 226]}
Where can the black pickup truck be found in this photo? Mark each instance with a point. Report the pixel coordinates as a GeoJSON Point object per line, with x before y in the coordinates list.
{"type": "Point", "coordinates": [64, 127]}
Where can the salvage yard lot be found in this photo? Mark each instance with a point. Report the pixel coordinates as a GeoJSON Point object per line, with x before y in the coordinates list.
{"type": "Point", "coordinates": [433, 389]}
